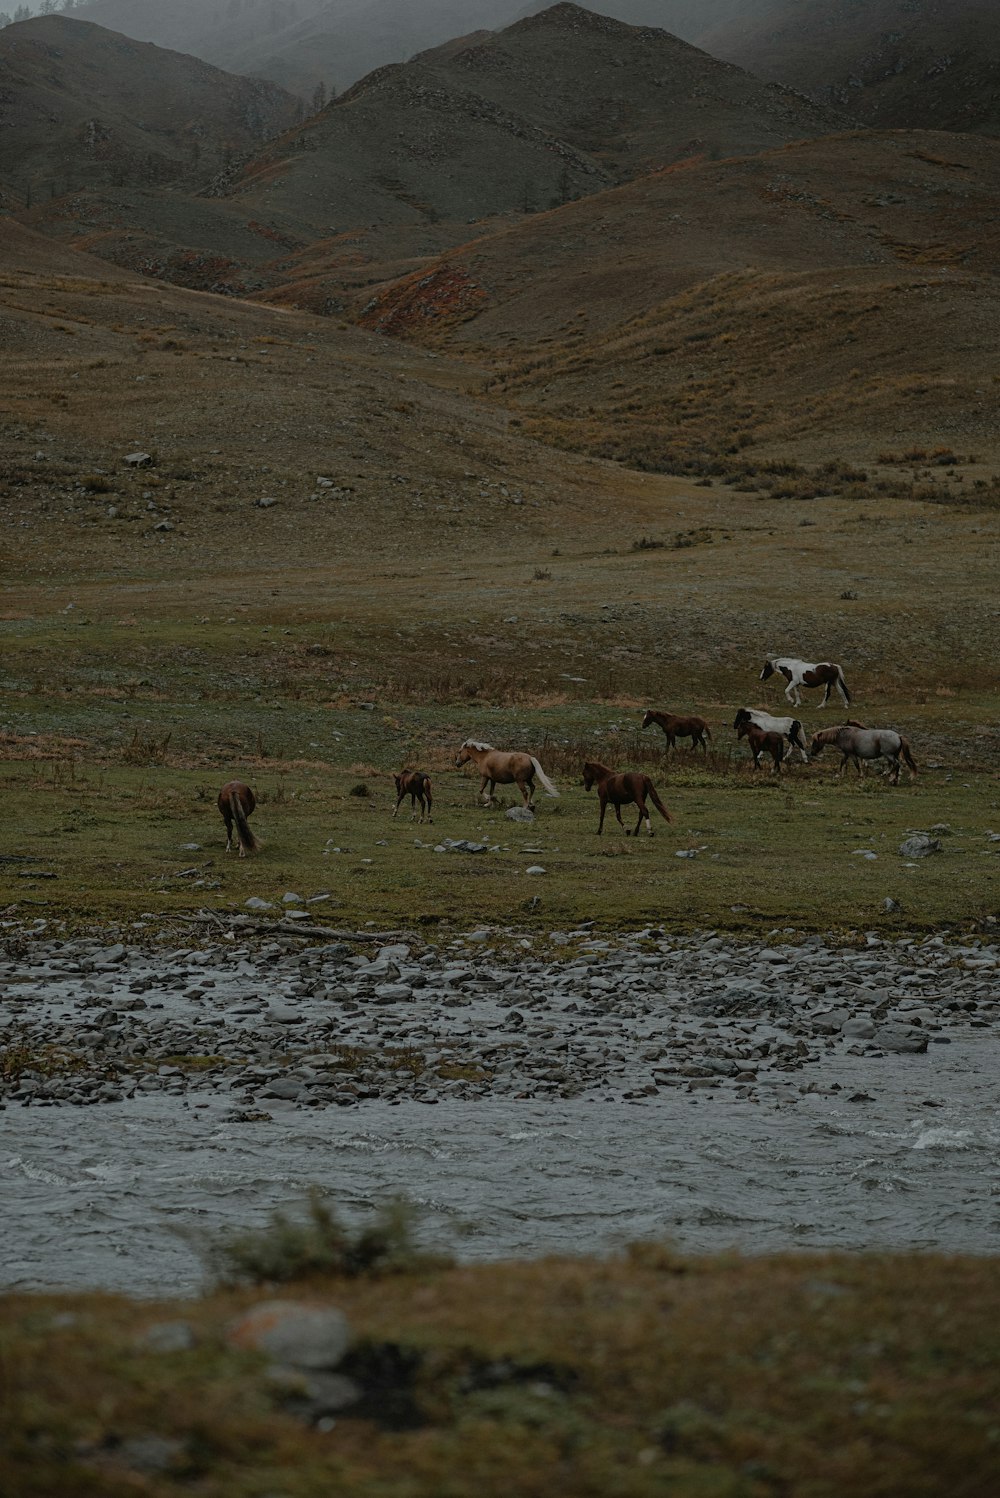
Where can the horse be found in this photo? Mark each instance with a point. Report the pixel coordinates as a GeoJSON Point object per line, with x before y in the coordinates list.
{"type": "Point", "coordinates": [236, 802]}
{"type": "Point", "coordinates": [789, 728]}
{"type": "Point", "coordinates": [416, 785]}
{"type": "Point", "coordinates": [763, 742]}
{"type": "Point", "coordinates": [859, 744]}
{"type": "Point", "coordinates": [623, 790]}
{"type": "Point", "coordinates": [504, 767]}
{"type": "Point", "coordinates": [695, 729]}
{"type": "Point", "coordinates": [807, 674]}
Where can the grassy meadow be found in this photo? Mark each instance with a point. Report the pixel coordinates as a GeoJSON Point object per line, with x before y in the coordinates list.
{"type": "Point", "coordinates": [105, 799]}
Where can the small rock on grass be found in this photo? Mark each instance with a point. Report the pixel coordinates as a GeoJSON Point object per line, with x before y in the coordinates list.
{"type": "Point", "coordinates": [295, 1333]}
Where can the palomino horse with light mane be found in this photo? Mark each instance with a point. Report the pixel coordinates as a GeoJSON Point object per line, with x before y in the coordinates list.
{"type": "Point", "coordinates": [416, 785]}
{"type": "Point", "coordinates": [628, 789]}
{"type": "Point", "coordinates": [236, 803]}
{"type": "Point", "coordinates": [789, 728]}
{"type": "Point", "coordinates": [695, 729]}
{"type": "Point", "coordinates": [504, 767]}
{"type": "Point", "coordinates": [859, 743]}
{"type": "Point", "coordinates": [807, 674]}
{"type": "Point", "coordinates": [762, 742]}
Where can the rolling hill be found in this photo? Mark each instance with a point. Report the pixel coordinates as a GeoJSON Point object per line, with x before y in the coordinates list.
{"type": "Point", "coordinates": [916, 64]}
{"type": "Point", "coordinates": [835, 295]}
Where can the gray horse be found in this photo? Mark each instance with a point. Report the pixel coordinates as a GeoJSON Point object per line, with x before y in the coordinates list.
{"type": "Point", "coordinates": [859, 744]}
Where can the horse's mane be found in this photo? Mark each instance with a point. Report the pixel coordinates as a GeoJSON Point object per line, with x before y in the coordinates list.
{"type": "Point", "coordinates": [476, 744]}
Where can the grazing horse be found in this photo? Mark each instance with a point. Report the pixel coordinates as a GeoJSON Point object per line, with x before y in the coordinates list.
{"type": "Point", "coordinates": [789, 728]}
{"type": "Point", "coordinates": [695, 729]}
{"type": "Point", "coordinates": [236, 802]}
{"type": "Point", "coordinates": [623, 790]}
{"type": "Point", "coordinates": [504, 767]}
{"type": "Point", "coordinates": [807, 674]}
{"type": "Point", "coordinates": [859, 744]}
{"type": "Point", "coordinates": [762, 742]}
{"type": "Point", "coordinates": [416, 785]}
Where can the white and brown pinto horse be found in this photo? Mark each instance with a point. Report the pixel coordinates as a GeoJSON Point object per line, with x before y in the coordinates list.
{"type": "Point", "coordinates": [789, 728]}
{"type": "Point", "coordinates": [807, 674]}
{"type": "Point", "coordinates": [860, 744]}
{"type": "Point", "coordinates": [504, 767]}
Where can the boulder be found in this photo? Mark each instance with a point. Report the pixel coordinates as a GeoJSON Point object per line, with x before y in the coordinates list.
{"type": "Point", "coordinates": [295, 1333]}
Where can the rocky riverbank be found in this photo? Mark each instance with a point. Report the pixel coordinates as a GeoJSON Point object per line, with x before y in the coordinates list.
{"type": "Point", "coordinates": [264, 1020]}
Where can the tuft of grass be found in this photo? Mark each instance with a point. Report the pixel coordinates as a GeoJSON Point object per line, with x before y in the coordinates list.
{"type": "Point", "coordinates": [320, 1244]}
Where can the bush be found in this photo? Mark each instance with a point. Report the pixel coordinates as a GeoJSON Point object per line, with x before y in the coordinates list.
{"type": "Point", "coordinates": [294, 1249]}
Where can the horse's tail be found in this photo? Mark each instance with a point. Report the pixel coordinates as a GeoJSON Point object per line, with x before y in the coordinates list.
{"type": "Point", "coordinates": [795, 734]}
{"type": "Point", "coordinates": [843, 685]}
{"type": "Point", "coordinates": [248, 843]}
{"type": "Point", "coordinates": [904, 749]}
{"type": "Point", "coordinates": [651, 793]}
{"type": "Point", "coordinates": [427, 792]}
{"type": "Point", "coordinates": [547, 785]}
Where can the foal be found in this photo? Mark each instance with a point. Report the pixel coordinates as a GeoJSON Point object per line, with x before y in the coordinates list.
{"type": "Point", "coordinates": [623, 790]}
{"type": "Point", "coordinates": [416, 785]}
{"type": "Point", "coordinates": [236, 802]}
{"type": "Point", "coordinates": [762, 742]}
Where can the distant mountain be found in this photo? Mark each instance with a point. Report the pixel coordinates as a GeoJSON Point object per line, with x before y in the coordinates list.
{"type": "Point", "coordinates": [914, 64]}
{"type": "Point", "coordinates": [300, 43]}
{"type": "Point", "coordinates": [502, 123]}
{"type": "Point", "coordinates": [83, 107]}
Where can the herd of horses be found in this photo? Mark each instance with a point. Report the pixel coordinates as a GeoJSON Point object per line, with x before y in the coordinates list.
{"type": "Point", "coordinates": [766, 736]}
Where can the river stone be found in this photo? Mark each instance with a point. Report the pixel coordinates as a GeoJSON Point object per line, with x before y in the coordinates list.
{"type": "Point", "coordinates": [919, 845]}
{"type": "Point", "coordinates": [901, 1038]}
{"type": "Point", "coordinates": [296, 1333]}
{"type": "Point", "coordinates": [859, 1028]}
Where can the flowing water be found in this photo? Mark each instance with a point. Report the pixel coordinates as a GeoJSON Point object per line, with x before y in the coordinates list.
{"type": "Point", "coordinates": [109, 1196]}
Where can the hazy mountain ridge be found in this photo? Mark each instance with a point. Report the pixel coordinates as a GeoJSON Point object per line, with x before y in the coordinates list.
{"type": "Point", "coordinates": [298, 43]}
{"type": "Point", "coordinates": [81, 106]}
{"type": "Point", "coordinates": [931, 64]}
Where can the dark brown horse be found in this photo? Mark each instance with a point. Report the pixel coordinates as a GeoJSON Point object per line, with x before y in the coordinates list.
{"type": "Point", "coordinates": [416, 785]}
{"type": "Point", "coordinates": [236, 803]}
{"type": "Point", "coordinates": [628, 789]}
{"type": "Point", "coordinates": [763, 741]}
{"type": "Point", "coordinates": [695, 729]}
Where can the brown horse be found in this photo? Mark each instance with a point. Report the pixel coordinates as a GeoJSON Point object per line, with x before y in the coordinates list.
{"type": "Point", "coordinates": [504, 767]}
{"type": "Point", "coordinates": [628, 789]}
{"type": "Point", "coordinates": [762, 742]}
{"type": "Point", "coordinates": [236, 802]}
{"type": "Point", "coordinates": [695, 729]}
{"type": "Point", "coordinates": [416, 785]}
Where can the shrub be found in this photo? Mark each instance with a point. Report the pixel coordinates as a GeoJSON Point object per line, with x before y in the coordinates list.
{"type": "Point", "coordinates": [293, 1249]}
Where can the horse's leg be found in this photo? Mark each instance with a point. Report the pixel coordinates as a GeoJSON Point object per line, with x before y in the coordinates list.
{"type": "Point", "coordinates": [643, 816]}
{"type": "Point", "coordinates": [618, 814]}
{"type": "Point", "coordinates": [486, 781]}
{"type": "Point", "coordinates": [604, 807]}
{"type": "Point", "coordinates": [527, 789]}
{"type": "Point", "coordinates": [227, 817]}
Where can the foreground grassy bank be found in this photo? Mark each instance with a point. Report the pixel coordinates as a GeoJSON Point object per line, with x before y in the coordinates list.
{"type": "Point", "coordinates": [820, 1375]}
